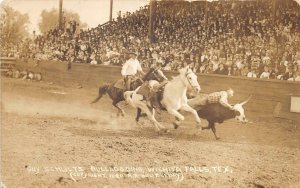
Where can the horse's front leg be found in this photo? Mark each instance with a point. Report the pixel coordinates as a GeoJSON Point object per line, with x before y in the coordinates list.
{"type": "Point", "coordinates": [177, 115]}
{"type": "Point", "coordinates": [150, 115]}
{"type": "Point", "coordinates": [187, 108]}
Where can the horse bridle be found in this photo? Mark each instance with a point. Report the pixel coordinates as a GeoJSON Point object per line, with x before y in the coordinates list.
{"type": "Point", "coordinates": [186, 75]}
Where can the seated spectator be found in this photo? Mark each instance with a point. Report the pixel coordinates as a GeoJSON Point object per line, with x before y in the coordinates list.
{"type": "Point", "coordinates": [204, 66]}
{"type": "Point", "coordinates": [94, 62]}
{"type": "Point", "coordinates": [235, 71]}
{"type": "Point", "coordinates": [265, 74]}
{"type": "Point", "coordinates": [289, 74]}
{"type": "Point", "coordinates": [229, 71]}
{"type": "Point", "coordinates": [215, 63]}
{"type": "Point", "coordinates": [221, 70]}
{"type": "Point", "coordinates": [244, 71]}
{"type": "Point", "coordinates": [297, 76]}
{"type": "Point", "coordinates": [252, 73]}
{"type": "Point", "coordinates": [274, 73]}
{"type": "Point", "coordinates": [209, 69]}
{"type": "Point", "coordinates": [106, 61]}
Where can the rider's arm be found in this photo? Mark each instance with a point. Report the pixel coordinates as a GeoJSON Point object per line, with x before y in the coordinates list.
{"type": "Point", "coordinates": [139, 68]}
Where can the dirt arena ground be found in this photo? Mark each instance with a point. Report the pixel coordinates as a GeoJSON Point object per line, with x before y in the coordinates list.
{"type": "Point", "coordinates": [52, 137]}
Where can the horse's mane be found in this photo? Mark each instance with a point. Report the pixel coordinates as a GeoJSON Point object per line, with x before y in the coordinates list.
{"type": "Point", "coordinates": [177, 77]}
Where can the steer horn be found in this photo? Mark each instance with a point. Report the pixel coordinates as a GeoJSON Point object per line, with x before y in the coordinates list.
{"type": "Point", "coordinates": [242, 103]}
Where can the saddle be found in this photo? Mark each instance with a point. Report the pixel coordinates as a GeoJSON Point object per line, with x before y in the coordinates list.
{"type": "Point", "coordinates": [153, 96]}
{"type": "Point", "coordinates": [120, 84]}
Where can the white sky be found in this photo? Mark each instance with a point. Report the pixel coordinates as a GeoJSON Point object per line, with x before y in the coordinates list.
{"type": "Point", "coordinates": [92, 12]}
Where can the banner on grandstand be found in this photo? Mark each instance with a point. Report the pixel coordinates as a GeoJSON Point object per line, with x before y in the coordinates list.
{"type": "Point", "coordinates": [295, 104]}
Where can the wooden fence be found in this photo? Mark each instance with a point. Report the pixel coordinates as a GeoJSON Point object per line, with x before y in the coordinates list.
{"type": "Point", "coordinates": [271, 98]}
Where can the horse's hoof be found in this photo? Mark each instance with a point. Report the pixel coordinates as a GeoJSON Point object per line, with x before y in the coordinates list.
{"type": "Point", "coordinates": [175, 125]}
{"type": "Point", "coordinates": [218, 138]}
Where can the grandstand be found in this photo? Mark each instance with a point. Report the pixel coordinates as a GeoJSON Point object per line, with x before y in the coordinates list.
{"type": "Point", "coordinates": [53, 133]}
{"type": "Point", "coordinates": [257, 39]}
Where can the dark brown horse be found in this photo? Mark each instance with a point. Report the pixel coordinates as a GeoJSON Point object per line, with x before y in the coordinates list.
{"type": "Point", "coordinates": [116, 93]}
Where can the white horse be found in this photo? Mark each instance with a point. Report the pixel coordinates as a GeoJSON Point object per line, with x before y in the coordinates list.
{"type": "Point", "coordinates": [174, 98]}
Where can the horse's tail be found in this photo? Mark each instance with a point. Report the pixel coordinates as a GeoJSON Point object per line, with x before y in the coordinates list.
{"type": "Point", "coordinates": [102, 91]}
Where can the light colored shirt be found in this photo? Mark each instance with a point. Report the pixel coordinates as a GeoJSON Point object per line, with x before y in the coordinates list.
{"type": "Point", "coordinates": [94, 62]}
{"type": "Point", "coordinates": [251, 75]}
{"type": "Point", "coordinates": [215, 65]}
{"type": "Point", "coordinates": [265, 75]}
{"type": "Point", "coordinates": [221, 97]}
{"type": "Point", "coordinates": [131, 67]}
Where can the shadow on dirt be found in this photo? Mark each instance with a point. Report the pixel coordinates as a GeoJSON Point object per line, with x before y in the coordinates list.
{"type": "Point", "coordinates": [145, 132]}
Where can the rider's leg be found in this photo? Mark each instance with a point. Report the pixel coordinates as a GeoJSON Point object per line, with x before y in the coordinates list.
{"type": "Point", "coordinates": [128, 82]}
{"type": "Point", "coordinates": [155, 101]}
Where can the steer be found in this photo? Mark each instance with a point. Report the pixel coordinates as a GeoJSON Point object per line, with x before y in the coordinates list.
{"type": "Point", "coordinates": [216, 113]}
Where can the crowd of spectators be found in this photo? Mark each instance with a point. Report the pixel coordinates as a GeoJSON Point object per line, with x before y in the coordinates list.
{"type": "Point", "coordinates": [237, 38]}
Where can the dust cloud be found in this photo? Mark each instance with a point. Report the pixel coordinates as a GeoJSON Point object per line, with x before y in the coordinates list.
{"type": "Point", "coordinates": [80, 110]}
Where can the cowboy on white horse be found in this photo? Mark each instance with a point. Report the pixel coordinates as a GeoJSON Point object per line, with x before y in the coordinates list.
{"type": "Point", "coordinates": [173, 98]}
{"type": "Point", "coordinates": [130, 68]}
{"type": "Point", "coordinates": [151, 88]}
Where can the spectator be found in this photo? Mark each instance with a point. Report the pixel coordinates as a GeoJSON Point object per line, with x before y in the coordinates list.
{"type": "Point", "coordinates": [235, 71]}
{"type": "Point", "coordinates": [289, 74]}
{"type": "Point", "coordinates": [94, 62]}
{"type": "Point", "coordinates": [265, 74]}
{"type": "Point", "coordinates": [252, 73]}
{"type": "Point", "coordinates": [297, 75]}
{"type": "Point", "coordinates": [221, 70]}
